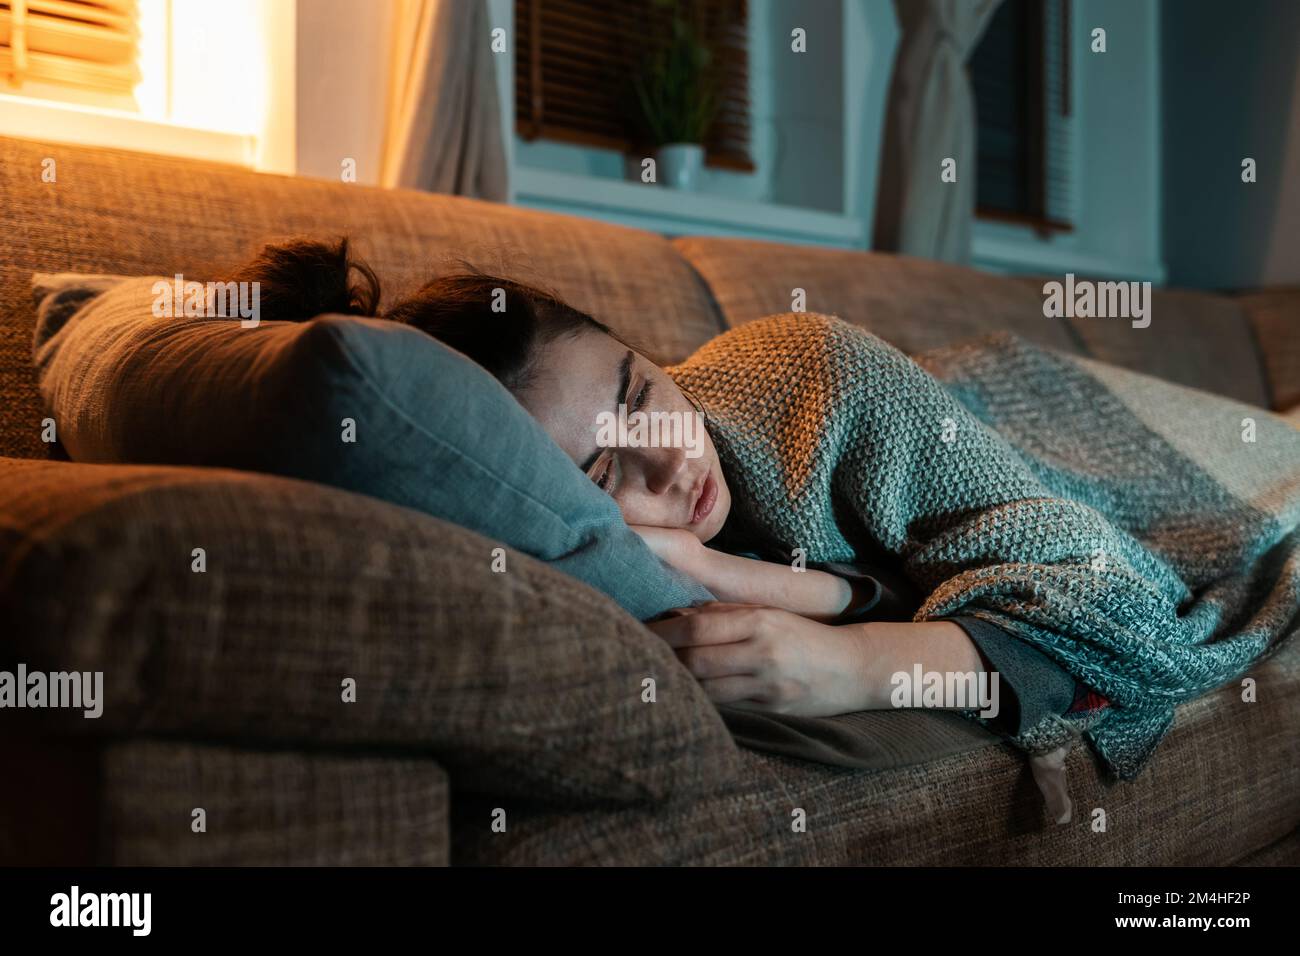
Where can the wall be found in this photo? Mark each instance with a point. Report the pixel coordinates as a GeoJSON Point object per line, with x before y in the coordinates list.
{"type": "Point", "coordinates": [1232, 90]}
{"type": "Point", "coordinates": [342, 83]}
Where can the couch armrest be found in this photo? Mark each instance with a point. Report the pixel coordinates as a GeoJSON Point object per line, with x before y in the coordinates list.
{"type": "Point", "coordinates": [85, 802]}
{"type": "Point", "coordinates": [321, 620]}
{"type": "Point", "coordinates": [1275, 318]}
{"type": "Point", "coordinates": [276, 808]}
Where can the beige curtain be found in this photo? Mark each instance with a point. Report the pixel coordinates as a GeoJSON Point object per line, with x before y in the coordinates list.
{"type": "Point", "coordinates": [931, 117]}
{"type": "Point", "coordinates": [443, 132]}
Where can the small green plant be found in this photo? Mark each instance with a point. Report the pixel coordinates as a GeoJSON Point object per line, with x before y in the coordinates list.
{"type": "Point", "coordinates": [675, 87]}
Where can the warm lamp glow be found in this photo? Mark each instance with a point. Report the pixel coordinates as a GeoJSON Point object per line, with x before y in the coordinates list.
{"type": "Point", "coordinates": [216, 80]}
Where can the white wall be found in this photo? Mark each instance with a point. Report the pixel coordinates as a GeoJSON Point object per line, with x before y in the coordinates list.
{"type": "Point", "coordinates": [342, 84]}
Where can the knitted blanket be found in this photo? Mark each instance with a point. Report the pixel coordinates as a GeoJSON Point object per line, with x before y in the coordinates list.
{"type": "Point", "coordinates": [1143, 535]}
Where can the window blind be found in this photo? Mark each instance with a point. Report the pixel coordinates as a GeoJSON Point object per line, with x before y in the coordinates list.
{"type": "Point", "coordinates": [1059, 184]}
{"type": "Point", "coordinates": [1020, 73]}
{"type": "Point", "coordinates": [82, 43]}
{"type": "Point", "coordinates": [574, 60]}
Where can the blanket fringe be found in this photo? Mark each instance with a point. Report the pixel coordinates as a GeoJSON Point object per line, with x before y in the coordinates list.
{"type": "Point", "coordinates": [1049, 773]}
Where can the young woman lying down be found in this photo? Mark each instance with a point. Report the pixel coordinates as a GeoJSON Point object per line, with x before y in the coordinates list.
{"type": "Point", "coordinates": [1107, 541]}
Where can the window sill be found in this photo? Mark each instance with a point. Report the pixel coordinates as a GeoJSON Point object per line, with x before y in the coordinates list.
{"type": "Point", "coordinates": [1017, 251]}
{"type": "Point", "coordinates": [676, 213]}
{"type": "Point", "coordinates": [45, 120]}
{"type": "Point", "coordinates": [1040, 225]}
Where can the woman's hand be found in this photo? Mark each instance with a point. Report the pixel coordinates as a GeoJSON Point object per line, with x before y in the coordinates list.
{"type": "Point", "coordinates": [764, 658]}
{"type": "Point", "coordinates": [676, 547]}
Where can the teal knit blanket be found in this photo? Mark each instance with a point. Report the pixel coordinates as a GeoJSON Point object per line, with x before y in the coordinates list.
{"type": "Point", "coordinates": [1141, 534]}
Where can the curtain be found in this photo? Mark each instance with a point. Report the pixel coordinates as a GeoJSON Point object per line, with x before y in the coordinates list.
{"type": "Point", "coordinates": [443, 131]}
{"type": "Point", "coordinates": [931, 117]}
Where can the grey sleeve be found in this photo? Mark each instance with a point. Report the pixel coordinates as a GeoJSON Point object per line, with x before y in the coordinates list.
{"type": "Point", "coordinates": [1038, 685]}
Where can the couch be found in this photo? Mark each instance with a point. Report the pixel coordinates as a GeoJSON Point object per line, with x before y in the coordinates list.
{"type": "Point", "coordinates": [498, 718]}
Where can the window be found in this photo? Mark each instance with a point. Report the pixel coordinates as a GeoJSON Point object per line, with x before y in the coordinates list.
{"type": "Point", "coordinates": [574, 60]}
{"type": "Point", "coordinates": [85, 44]}
{"type": "Point", "coordinates": [211, 80]}
{"type": "Point", "coordinates": [1020, 72]}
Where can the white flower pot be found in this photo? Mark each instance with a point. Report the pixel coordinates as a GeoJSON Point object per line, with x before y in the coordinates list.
{"type": "Point", "coordinates": [680, 164]}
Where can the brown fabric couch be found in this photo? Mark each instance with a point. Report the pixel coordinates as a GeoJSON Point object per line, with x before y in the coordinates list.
{"type": "Point", "coordinates": [484, 697]}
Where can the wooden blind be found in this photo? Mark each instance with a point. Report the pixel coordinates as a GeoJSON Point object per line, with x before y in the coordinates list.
{"type": "Point", "coordinates": [1024, 130]}
{"type": "Point", "coordinates": [574, 62]}
{"type": "Point", "coordinates": [83, 43]}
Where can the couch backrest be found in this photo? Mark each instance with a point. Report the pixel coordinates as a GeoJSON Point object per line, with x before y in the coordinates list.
{"type": "Point", "coordinates": [912, 303]}
{"type": "Point", "coordinates": [1199, 339]}
{"type": "Point", "coordinates": [136, 214]}
{"type": "Point", "coordinates": [1196, 338]}
{"type": "Point", "coordinates": [1274, 316]}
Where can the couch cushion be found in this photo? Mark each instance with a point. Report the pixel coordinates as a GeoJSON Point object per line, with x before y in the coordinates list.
{"type": "Point", "coordinates": [525, 682]}
{"type": "Point", "coordinates": [138, 214]}
{"type": "Point", "coordinates": [911, 303]}
{"type": "Point", "coordinates": [429, 429]}
{"type": "Point", "coordinates": [1222, 785]}
{"type": "Point", "coordinates": [1275, 318]}
{"type": "Point", "coordinates": [1195, 338]}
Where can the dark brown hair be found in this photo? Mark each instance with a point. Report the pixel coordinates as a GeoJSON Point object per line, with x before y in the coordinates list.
{"type": "Point", "coordinates": [499, 323]}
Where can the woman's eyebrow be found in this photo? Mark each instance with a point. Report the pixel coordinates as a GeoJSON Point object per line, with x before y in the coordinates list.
{"type": "Point", "coordinates": [624, 380]}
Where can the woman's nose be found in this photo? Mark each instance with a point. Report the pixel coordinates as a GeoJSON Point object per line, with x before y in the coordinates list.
{"type": "Point", "coordinates": [664, 467]}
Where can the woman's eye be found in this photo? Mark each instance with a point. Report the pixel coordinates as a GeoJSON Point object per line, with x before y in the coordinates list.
{"type": "Point", "coordinates": [605, 476]}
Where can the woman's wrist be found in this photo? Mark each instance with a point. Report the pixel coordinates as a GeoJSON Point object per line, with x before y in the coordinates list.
{"type": "Point", "coordinates": [890, 648]}
{"type": "Point", "coordinates": [828, 595]}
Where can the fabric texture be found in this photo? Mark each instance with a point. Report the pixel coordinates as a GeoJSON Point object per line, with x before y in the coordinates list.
{"type": "Point", "coordinates": [865, 740]}
{"type": "Point", "coordinates": [362, 404]}
{"type": "Point", "coordinates": [911, 303]}
{"type": "Point", "coordinates": [443, 131]}
{"type": "Point", "coordinates": [1119, 524]}
{"type": "Point", "coordinates": [1197, 339]}
{"type": "Point", "coordinates": [1274, 316]}
{"type": "Point", "coordinates": [1033, 687]}
{"type": "Point", "coordinates": [523, 682]}
{"type": "Point", "coordinates": [270, 808]}
{"type": "Point", "coordinates": [929, 120]}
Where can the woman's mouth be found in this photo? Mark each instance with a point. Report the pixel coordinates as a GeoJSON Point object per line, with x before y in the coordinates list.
{"type": "Point", "coordinates": [704, 504]}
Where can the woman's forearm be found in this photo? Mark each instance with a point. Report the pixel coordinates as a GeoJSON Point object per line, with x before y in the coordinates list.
{"type": "Point", "coordinates": [890, 648]}
{"type": "Point", "coordinates": [812, 594]}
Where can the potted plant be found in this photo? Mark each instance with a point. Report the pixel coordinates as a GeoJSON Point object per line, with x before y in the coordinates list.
{"type": "Point", "coordinates": [675, 95]}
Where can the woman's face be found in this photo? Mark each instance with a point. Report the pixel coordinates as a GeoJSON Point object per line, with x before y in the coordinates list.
{"type": "Point", "coordinates": [580, 381]}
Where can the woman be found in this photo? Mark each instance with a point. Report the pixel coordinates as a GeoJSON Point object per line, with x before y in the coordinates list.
{"type": "Point", "coordinates": [993, 543]}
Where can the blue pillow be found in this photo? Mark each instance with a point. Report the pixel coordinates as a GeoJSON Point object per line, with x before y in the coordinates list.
{"type": "Point", "coordinates": [361, 404]}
